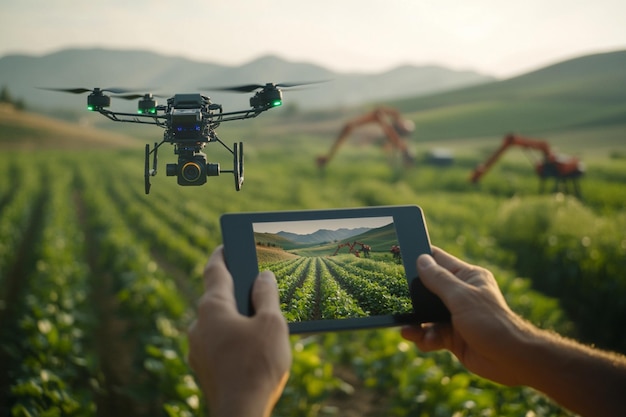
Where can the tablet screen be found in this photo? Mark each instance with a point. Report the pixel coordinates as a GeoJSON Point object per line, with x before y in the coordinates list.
{"type": "Point", "coordinates": [338, 268]}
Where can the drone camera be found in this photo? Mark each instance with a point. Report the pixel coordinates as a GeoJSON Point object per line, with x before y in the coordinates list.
{"type": "Point", "coordinates": [187, 125]}
{"type": "Point", "coordinates": [193, 170]}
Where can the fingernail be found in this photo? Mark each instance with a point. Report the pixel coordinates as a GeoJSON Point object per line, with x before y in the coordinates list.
{"type": "Point", "coordinates": [267, 276]}
{"type": "Point", "coordinates": [425, 261]}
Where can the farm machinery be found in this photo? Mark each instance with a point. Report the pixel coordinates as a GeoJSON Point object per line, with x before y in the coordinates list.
{"type": "Point", "coordinates": [394, 126]}
{"type": "Point", "coordinates": [352, 248]}
{"type": "Point", "coordinates": [564, 169]}
{"type": "Point", "coordinates": [397, 254]}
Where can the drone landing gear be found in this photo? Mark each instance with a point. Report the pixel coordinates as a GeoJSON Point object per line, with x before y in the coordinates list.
{"type": "Point", "coordinates": [237, 171]}
{"type": "Point", "coordinates": [150, 172]}
{"type": "Point", "coordinates": [209, 169]}
{"type": "Point", "coordinates": [238, 164]}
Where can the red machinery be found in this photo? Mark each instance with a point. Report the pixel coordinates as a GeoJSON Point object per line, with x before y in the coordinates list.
{"type": "Point", "coordinates": [395, 250]}
{"type": "Point", "coordinates": [560, 167]}
{"type": "Point", "coordinates": [352, 248]}
{"type": "Point", "coordinates": [392, 124]}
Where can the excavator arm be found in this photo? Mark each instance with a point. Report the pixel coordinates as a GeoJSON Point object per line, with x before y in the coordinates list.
{"type": "Point", "coordinates": [509, 141]}
{"type": "Point", "coordinates": [561, 168]}
{"type": "Point", "coordinates": [390, 121]}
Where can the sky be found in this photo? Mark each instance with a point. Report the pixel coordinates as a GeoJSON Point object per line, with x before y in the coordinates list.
{"type": "Point", "coordinates": [494, 37]}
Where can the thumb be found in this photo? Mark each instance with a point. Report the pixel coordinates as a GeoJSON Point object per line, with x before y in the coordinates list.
{"type": "Point", "coordinates": [438, 279]}
{"type": "Point", "coordinates": [265, 293]}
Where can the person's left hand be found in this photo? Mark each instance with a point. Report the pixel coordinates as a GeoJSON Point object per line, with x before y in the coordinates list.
{"type": "Point", "coordinates": [241, 363]}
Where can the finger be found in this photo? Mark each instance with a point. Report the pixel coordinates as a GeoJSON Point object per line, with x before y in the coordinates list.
{"type": "Point", "coordinates": [438, 279]}
{"type": "Point", "coordinates": [427, 337]}
{"type": "Point", "coordinates": [217, 279]}
{"type": "Point", "coordinates": [265, 293]}
{"type": "Point", "coordinates": [450, 262]}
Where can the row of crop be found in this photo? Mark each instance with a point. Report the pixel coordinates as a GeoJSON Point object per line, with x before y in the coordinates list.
{"type": "Point", "coordinates": [147, 311]}
{"type": "Point", "coordinates": [284, 268]}
{"type": "Point", "coordinates": [55, 322]}
{"type": "Point", "coordinates": [336, 302]}
{"type": "Point", "coordinates": [373, 297]}
{"type": "Point", "coordinates": [185, 217]}
{"type": "Point", "coordinates": [390, 275]}
{"type": "Point", "coordinates": [15, 216]}
{"type": "Point", "coordinates": [176, 243]}
{"type": "Point", "coordinates": [309, 291]}
{"type": "Point", "coordinates": [290, 275]}
{"type": "Point", "coordinates": [299, 295]}
{"type": "Point", "coordinates": [344, 290]}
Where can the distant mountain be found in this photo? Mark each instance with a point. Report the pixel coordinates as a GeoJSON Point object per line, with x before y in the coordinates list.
{"type": "Point", "coordinates": [323, 235]}
{"type": "Point", "coordinates": [167, 75]}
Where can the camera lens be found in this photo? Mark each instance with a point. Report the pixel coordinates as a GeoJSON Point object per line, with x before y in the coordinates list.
{"type": "Point", "coordinates": [191, 171]}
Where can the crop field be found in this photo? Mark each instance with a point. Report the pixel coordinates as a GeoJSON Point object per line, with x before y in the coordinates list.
{"type": "Point", "coordinates": [99, 282]}
{"type": "Point", "coordinates": [320, 288]}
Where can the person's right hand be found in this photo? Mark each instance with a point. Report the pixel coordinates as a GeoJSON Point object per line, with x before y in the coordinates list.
{"type": "Point", "coordinates": [483, 332]}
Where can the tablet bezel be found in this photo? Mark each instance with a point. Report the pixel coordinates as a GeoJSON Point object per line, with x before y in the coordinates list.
{"type": "Point", "coordinates": [240, 254]}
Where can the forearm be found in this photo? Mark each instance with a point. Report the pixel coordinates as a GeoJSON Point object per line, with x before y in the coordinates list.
{"type": "Point", "coordinates": [584, 380]}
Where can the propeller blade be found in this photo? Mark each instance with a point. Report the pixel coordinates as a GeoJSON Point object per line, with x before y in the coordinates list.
{"type": "Point", "coordinates": [67, 90]}
{"type": "Point", "coordinates": [131, 96]}
{"type": "Point", "coordinates": [290, 85]}
{"type": "Point", "coordinates": [118, 90]}
{"type": "Point", "coordinates": [248, 88]}
{"type": "Point", "coordinates": [81, 90]}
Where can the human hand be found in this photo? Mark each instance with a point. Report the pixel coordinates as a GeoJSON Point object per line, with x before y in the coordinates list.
{"type": "Point", "coordinates": [241, 363]}
{"type": "Point", "coordinates": [483, 332]}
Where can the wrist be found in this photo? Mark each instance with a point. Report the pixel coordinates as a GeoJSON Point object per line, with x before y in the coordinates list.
{"type": "Point", "coordinates": [256, 400]}
{"type": "Point", "coordinates": [242, 406]}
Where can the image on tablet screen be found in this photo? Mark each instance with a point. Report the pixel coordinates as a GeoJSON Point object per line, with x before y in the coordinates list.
{"type": "Point", "coordinates": [334, 268]}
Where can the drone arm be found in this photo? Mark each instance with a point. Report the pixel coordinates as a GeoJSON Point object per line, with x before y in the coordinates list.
{"type": "Point", "coordinates": [242, 114]}
{"type": "Point", "coordinates": [133, 118]}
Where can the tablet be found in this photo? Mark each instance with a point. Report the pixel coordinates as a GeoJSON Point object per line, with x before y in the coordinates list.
{"type": "Point", "coordinates": [336, 269]}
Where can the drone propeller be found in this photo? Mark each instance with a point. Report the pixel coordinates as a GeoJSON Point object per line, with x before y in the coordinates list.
{"type": "Point", "coordinates": [146, 96]}
{"type": "Point", "coordinates": [248, 88]}
{"type": "Point", "coordinates": [81, 90]}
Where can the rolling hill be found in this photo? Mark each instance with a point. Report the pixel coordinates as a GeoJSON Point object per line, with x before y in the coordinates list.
{"type": "Point", "coordinates": [168, 75]}
{"type": "Point", "coordinates": [581, 102]}
{"type": "Point", "coordinates": [322, 235]}
{"type": "Point", "coordinates": [380, 238]}
{"type": "Point", "coordinates": [26, 131]}
{"type": "Point", "coordinates": [583, 92]}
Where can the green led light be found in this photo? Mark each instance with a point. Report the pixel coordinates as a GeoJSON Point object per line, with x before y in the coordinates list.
{"type": "Point", "coordinates": [90, 108]}
{"type": "Point", "coordinates": [277, 103]}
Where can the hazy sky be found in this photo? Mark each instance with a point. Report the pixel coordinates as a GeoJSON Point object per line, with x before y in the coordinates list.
{"type": "Point", "coordinates": [501, 38]}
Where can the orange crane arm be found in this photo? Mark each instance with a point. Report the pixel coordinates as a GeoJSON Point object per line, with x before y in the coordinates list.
{"type": "Point", "coordinates": [511, 140]}
{"type": "Point", "coordinates": [389, 120]}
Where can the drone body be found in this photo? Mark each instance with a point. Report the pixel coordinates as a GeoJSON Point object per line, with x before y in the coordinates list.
{"type": "Point", "coordinates": [190, 121]}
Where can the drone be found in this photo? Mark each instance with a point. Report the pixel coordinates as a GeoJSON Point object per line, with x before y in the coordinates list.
{"type": "Point", "coordinates": [190, 121]}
